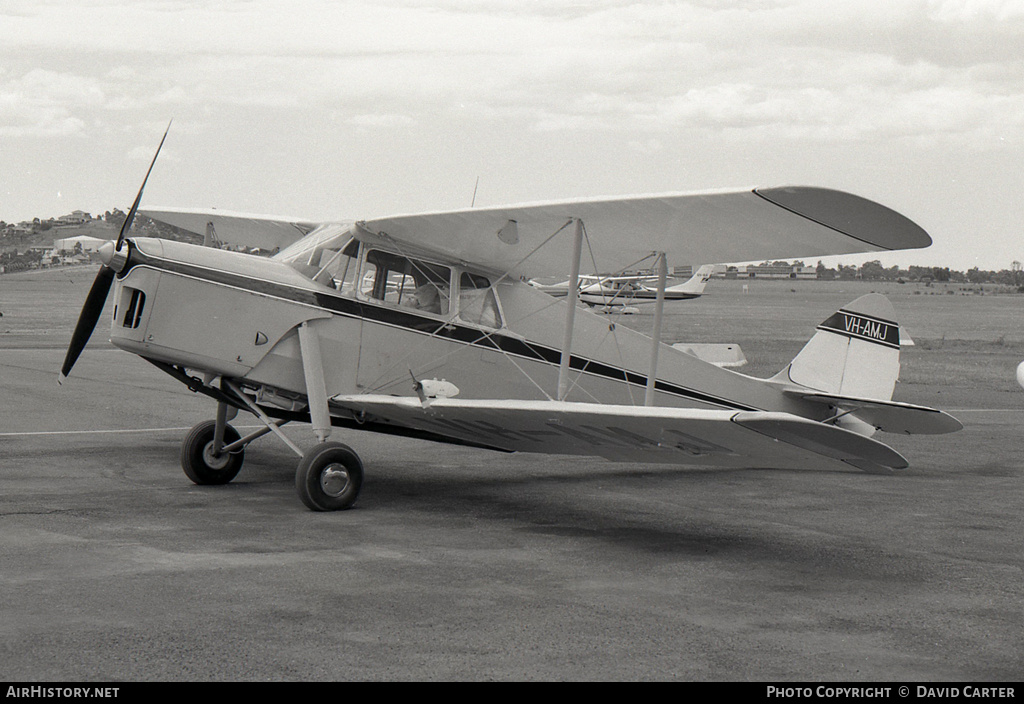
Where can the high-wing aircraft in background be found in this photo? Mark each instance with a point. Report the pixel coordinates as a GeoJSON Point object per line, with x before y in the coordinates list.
{"type": "Point", "coordinates": [610, 292]}
{"type": "Point", "coordinates": [422, 325]}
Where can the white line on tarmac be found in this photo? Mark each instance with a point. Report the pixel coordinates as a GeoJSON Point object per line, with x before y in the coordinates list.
{"type": "Point", "coordinates": [985, 410]}
{"type": "Point", "coordinates": [99, 432]}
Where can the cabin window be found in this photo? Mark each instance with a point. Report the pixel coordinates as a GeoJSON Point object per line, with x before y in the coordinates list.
{"type": "Point", "coordinates": [410, 283]}
{"type": "Point", "coordinates": [477, 303]}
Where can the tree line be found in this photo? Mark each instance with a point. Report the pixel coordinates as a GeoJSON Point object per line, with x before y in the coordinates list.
{"type": "Point", "coordinates": [874, 271]}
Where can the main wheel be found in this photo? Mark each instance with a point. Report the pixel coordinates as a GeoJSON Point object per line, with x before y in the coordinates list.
{"type": "Point", "coordinates": [329, 477]}
{"type": "Point", "coordinates": [198, 460]}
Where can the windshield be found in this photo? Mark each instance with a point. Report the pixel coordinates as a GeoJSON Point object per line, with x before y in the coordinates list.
{"type": "Point", "coordinates": [323, 255]}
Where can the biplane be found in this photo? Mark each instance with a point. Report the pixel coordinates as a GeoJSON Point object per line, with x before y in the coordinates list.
{"type": "Point", "coordinates": [423, 326]}
{"type": "Point", "coordinates": [610, 292]}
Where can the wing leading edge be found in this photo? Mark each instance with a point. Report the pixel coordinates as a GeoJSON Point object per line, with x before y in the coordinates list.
{"type": "Point", "coordinates": [634, 433]}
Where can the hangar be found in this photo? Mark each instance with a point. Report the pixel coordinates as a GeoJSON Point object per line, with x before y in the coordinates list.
{"type": "Point", "coordinates": [89, 244]}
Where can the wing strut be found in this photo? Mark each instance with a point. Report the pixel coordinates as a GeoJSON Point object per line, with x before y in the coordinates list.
{"type": "Point", "coordinates": [316, 387]}
{"type": "Point", "coordinates": [659, 307]}
{"type": "Point", "coordinates": [570, 314]}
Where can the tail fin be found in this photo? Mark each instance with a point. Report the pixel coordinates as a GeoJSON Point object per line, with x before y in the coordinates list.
{"type": "Point", "coordinates": [855, 352]}
{"type": "Point", "coordinates": [211, 239]}
{"type": "Point", "coordinates": [695, 284]}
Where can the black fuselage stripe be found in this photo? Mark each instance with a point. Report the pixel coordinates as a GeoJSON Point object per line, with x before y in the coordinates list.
{"type": "Point", "coordinates": [451, 331]}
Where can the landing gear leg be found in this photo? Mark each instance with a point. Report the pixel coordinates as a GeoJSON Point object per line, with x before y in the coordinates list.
{"type": "Point", "coordinates": [330, 475]}
{"type": "Point", "coordinates": [328, 478]}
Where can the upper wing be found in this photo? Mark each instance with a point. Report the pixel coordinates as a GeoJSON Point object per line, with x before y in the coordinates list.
{"type": "Point", "coordinates": [721, 226]}
{"type": "Point", "coordinates": [263, 231]}
{"type": "Point", "coordinates": [632, 433]}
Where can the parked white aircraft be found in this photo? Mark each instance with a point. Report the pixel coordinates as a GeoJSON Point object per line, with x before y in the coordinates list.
{"type": "Point", "coordinates": [621, 291]}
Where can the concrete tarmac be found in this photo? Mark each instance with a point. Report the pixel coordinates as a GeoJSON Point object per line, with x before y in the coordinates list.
{"type": "Point", "coordinates": [461, 564]}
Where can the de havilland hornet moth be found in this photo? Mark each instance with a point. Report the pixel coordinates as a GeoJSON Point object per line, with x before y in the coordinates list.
{"type": "Point", "coordinates": [424, 326]}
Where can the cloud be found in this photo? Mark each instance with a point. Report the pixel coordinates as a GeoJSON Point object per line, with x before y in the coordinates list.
{"type": "Point", "coordinates": [380, 120]}
{"type": "Point", "coordinates": [973, 10]}
{"type": "Point", "coordinates": [42, 102]}
{"type": "Point", "coordinates": [847, 69]}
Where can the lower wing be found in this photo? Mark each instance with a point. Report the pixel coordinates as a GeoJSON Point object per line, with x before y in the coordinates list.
{"type": "Point", "coordinates": [754, 439]}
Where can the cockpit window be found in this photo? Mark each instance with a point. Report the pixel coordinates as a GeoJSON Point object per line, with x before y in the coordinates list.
{"type": "Point", "coordinates": [411, 283]}
{"type": "Point", "coordinates": [339, 270]}
{"type": "Point", "coordinates": [477, 303]}
{"type": "Point", "coordinates": [328, 255]}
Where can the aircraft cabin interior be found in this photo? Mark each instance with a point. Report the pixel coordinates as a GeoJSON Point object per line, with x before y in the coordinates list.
{"type": "Point", "coordinates": [337, 261]}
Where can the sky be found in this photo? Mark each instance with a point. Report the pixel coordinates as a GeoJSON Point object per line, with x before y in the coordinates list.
{"type": "Point", "coordinates": [352, 110]}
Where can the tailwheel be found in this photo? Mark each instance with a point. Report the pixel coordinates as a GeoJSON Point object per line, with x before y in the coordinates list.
{"type": "Point", "coordinates": [329, 477]}
{"type": "Point", "coordinates": [198, 460]}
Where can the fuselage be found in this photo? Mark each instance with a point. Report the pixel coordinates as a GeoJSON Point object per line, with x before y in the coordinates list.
{"type": "Point", "coordinates": [235, 315]}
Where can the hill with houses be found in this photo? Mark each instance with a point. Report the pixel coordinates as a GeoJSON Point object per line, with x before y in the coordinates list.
{"type": "Point", "coordinates": [33, 244]}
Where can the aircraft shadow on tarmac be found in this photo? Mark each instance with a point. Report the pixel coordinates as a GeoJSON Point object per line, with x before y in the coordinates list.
{"type": "Point", "coordinates": [615, 509]}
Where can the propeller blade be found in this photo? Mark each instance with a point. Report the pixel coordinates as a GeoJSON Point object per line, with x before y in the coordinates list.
{"type": "Point", "coordinates": [135, 206]}
{"type": "Point", "coordinates": [91, 310]}
{"type": "Point", "coordinates": [97, 298]}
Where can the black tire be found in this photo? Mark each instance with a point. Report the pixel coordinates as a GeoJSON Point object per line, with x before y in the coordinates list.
{"type": "Point", "coordinates": [198, 462]}
{"type": "Point", "coordinates": [329, 477]}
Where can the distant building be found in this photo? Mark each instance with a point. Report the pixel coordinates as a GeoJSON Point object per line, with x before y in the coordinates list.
{"type": "Point", "coordinates": [779, 271]}
{"type": "Point", "coordinates": [89, 244]}
{"type": "Point", "coordinates": [22, 228]}
{"type": "Point", "coordinates": [76, 217]}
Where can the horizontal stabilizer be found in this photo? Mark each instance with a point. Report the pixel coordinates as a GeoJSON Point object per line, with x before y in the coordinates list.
{"type": "Point", "coordinates": [888, 416]}
{"type": "Point", "coordinates": [640, 434]}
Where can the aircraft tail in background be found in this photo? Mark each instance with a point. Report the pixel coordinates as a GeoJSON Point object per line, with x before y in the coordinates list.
{"type": "Point", "coordinates": [691, 288]}
{"type": "Point", "coordinates": [210, 238]}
